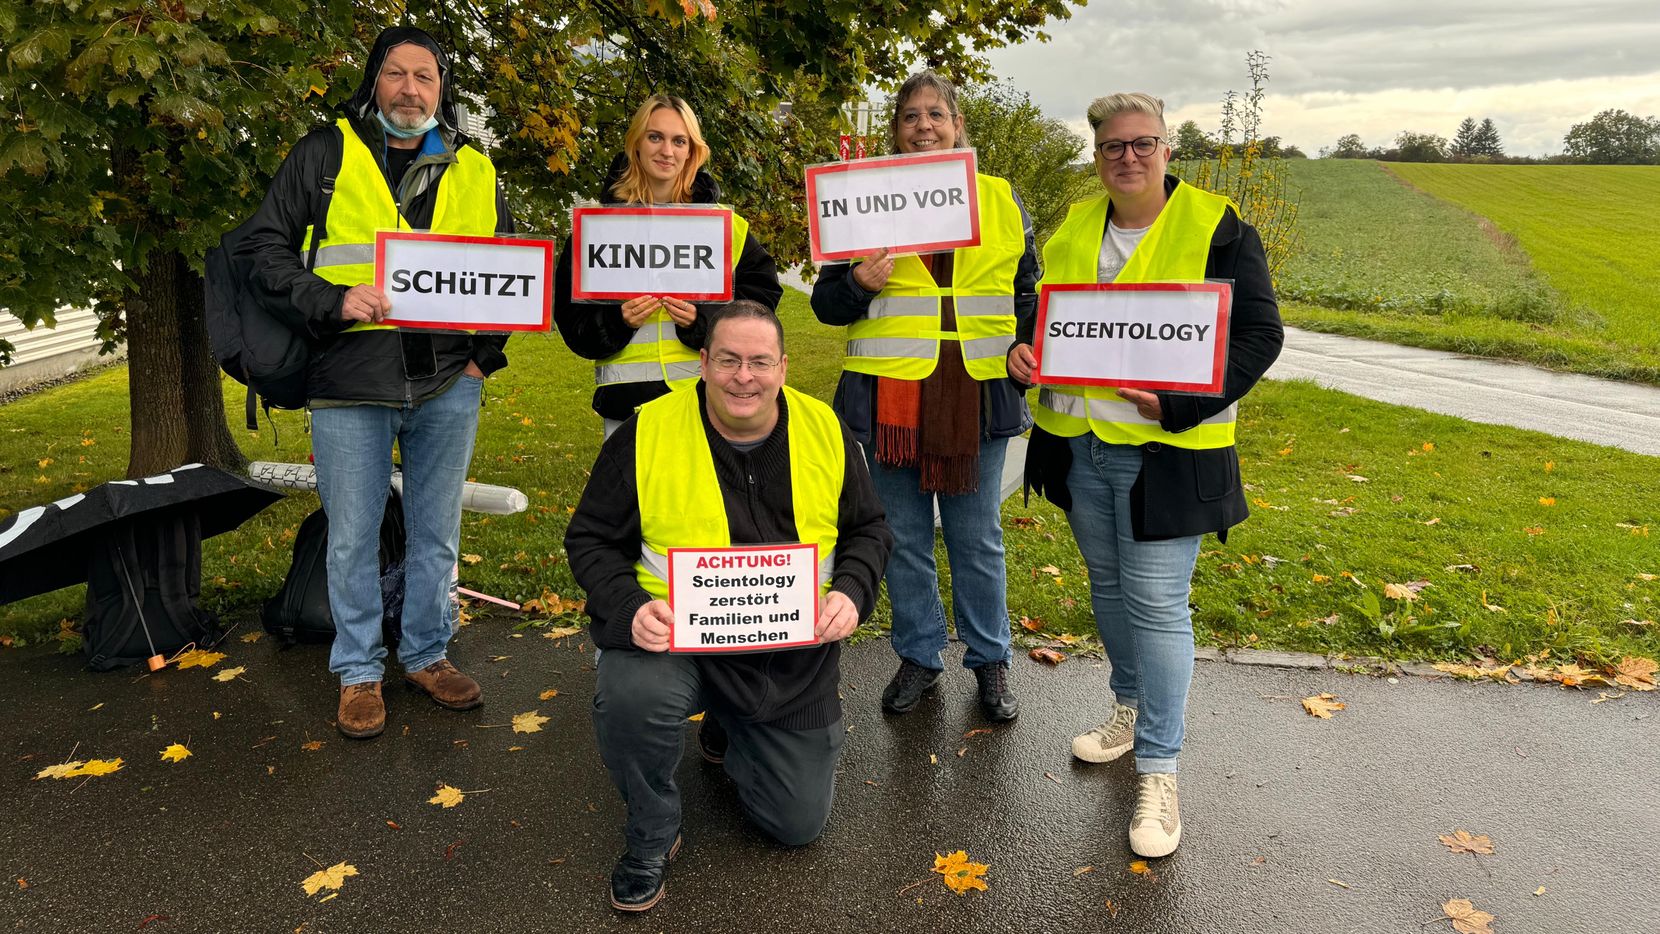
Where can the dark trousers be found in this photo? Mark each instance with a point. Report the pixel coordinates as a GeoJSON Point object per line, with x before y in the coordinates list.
{"type": "Point", "coordinates": [785, 778]}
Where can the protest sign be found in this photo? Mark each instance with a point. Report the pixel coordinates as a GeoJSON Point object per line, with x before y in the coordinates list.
{"type": "Point", "coordinates": [625, 251]}
{"type": "Point", "coordinates": [448, 282]}
{"type": "Point", "coordinates": [914, 203]}
{"type": "Point", "coordinates": [743, 599]}
{"type": "Point", "coordinates": [1155, 335]}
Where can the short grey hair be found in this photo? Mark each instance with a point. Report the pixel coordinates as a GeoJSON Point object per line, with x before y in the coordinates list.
{"type": "Point", "coordinates": [931, 80]}
{"type": "Point", "coordinates": [1103, 109]}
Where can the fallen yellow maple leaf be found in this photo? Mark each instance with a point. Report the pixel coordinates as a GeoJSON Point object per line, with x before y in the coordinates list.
{"type": "Point", "coordinates": [200, 658]}
{"type": "Point", "coordinates": [313, 745]}
{"type": "Point", "coordinates": [254, 636]}
{"type": "Point", "coordinates": [1637, 672]}
{"type": "Point", "coordinates": [560, 632]}
{"type": "Point", "coordinates": [1140, 867]}
{"type": "Point", "coordinates": [960, 874]}
{"type": "Point", "coordinates": [98, 767]}
{"type": "Point", "coordinates": [1323, 705]}
{"type": "Point", "coordinates": [1571, 675]}
{"type": "Point", "coordinates": [61, 770]}
{"type": "Point", "coordinates": [1466, 919]}
{"type": "Point", "coordinates": [529, 722]}
{"type": "Point", "coordinates": [447, 796]}
{"type": "Point", "coordinates": [331, 878]}
{"type": "Point", "coordinates": [1399, 592]}
{"type": "Point", "coordinates": [1462, 841]}
{"type": "Point", "coordinates": [175, 753]}
{"type": "Point", "coordinates": [549, 694]}
{"type": "Point", "coordinates": [229, 674]}
{"type": "Point", "coordinates": [1547, 501]}
{"type": "Point", "coordinates": [1047, 655]}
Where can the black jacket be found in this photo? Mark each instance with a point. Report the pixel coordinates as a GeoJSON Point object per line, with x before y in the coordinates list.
{"type": "Point", "coordinates": [392, 366]}
{"type": "Point", "coordinates": [791, 688]}
{"type": "Point", "coordinates": [839, 300]}
{"type": "Point", "coordinates": [1183, 492]}
{"type": "Point", "coordinates": [596, 329]}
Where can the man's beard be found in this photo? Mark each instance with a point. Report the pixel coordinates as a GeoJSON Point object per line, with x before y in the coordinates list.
{"type": "Point", "coordinates": [404, 120]}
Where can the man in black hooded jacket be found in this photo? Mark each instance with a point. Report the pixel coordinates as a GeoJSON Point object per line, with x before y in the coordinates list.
{"type": "Point", "coordinates": [396, 159]}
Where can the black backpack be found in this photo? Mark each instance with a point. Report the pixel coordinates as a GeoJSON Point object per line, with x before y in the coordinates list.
{"type": "Point", "coordinates": [143, 579]}
{"type": "Point", "coordinates": [259, 349]}
{"type": "Point", "coordinates": [300, 610]}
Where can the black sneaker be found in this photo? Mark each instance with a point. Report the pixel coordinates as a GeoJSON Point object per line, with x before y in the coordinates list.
{"type": "Point", "coordinates": [711, 739]}
{"type": "Point", "coordinates": [996, 700]}
{"type": "Point", "coordinates": [909, 683]}
{"type": "Point", "coordinates": [637, 881]}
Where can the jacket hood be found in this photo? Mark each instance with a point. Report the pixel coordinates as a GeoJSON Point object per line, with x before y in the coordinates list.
{"type": "Point", "coordinates": [705, 190]}
{"type": "Point", "coordinates": [361, 106]}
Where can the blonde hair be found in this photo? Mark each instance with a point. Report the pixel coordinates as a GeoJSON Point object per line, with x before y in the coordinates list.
{"type": "Point", "coordinates": [1103, 109]}
{"type": "Point", "coordinates": [634, 186]}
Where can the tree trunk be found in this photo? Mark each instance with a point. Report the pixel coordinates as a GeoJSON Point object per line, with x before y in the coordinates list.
{"type": "Point", "coordinates": [178, 407]}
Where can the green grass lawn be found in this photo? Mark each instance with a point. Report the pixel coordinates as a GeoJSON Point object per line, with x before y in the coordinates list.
{"type": "Point", "coordinates": [1567, 585]}
{"type": "Point", "coordinates": [1545, 264]}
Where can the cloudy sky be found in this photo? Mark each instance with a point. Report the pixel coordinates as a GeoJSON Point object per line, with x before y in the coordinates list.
{"type": "Point", "coordinates": [1342, 66]}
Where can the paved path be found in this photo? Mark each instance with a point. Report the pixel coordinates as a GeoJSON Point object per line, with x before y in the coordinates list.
{"type": "Point", "coordinates": [1275, 803]}
{"type": "Point", "coordinates": [1623, 415]}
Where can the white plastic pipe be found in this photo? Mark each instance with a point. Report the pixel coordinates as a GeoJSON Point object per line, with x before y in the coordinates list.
{"type": "Point", "coordinates": [475, 497]}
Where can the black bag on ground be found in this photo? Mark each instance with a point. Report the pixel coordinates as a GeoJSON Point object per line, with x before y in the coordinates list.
{"type": "Point", "coordinates": [300, 610]}
{"type": "Point", "coordinates": [257, 348]}
{"type": "Point", "coordinates": [143, 580]}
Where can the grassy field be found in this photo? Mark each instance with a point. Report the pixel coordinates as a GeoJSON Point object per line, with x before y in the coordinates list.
{"type": "Point", "coordinates": [1453, 504]}
{"type": "Point", "coordinates": [1463, 258]}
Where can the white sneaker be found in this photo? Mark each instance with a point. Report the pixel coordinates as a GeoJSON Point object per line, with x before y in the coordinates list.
{"type": "Point", "coordinates": [1156, 826]}
{"type": "Point", "coordinates": [1109, 740]}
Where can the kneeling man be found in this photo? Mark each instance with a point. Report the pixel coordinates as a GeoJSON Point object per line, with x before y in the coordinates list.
{"type": "Point", "coordinates": [739, 460]}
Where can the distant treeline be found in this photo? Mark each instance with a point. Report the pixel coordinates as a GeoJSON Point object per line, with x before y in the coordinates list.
{"type": "Point", "coordinates": [1613, 137]}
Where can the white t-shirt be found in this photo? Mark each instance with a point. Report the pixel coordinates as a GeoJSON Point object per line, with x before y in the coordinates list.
{"type": "Point", "coordinates": [1116, 248]}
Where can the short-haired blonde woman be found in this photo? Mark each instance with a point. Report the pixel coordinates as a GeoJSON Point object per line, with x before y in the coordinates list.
{"type": "Point", "coordinates": [648, 345]}
{"type": "Point", "coordinates": [925, 388]}
{"type": "Point", "coordinates": [1144, 475]}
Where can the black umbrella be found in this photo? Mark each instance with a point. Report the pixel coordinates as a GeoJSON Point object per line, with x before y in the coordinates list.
{"type": "Point", "coordinates": [47, 547]}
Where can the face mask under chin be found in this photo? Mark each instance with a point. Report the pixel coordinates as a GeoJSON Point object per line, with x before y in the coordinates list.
{"type": "Point", "coordinates": [403, 133]}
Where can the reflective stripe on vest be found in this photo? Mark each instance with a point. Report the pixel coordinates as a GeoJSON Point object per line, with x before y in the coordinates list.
{"type": "Point", "coordinates": [681, 505]}
{"type": "Point", "coordinates": [655, 353]}
{"type": "Point", "coordinates": [1175, 249]}
{"type": "Point", "coordinates": [362, 204]}
{"type": "Point", "coordinates": [900, 334]}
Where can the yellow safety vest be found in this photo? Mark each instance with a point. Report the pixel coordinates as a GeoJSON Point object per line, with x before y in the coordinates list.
{"type": "Point", "coordinates": [1175, 249]}
{"type": "Point", "coordinates": [680, 499]}
{"type": "Point", "coordinates": [900, 335]}
{"type": "Point", "coordinates": [655, 351]}
{"type": "Point", "coordinates": [363, 204]}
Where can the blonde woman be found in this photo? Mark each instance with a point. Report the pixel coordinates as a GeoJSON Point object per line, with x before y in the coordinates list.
{"type": "Point", "coordinates": [648, 345]}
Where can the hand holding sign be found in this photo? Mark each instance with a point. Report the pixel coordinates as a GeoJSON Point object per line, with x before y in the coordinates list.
{"type": "Point", "coordinates": [1146, 404]}
{"type": "Point", "coordinates": [1021, 363]}
{"type": "Point", "coordinates": [635, 311]}
{"type": "Point", "coordinates": [872, 274]}
{"type": "Point", "coordinates": [652, 622]}
{"type": "Point", "coordinates": [837, 617]}
{"type": "Point", "coordinates": [364, 303]}
{"type": "Point", "coordinates": [682, 311]}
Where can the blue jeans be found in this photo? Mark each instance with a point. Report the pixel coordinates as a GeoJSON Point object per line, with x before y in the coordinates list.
{"type": "Point", "coordinates": [352, 446]}
{"type": "Point", "coordinates": [1139, 591]}
{"type": "Point", "coordinates": [973, 528]}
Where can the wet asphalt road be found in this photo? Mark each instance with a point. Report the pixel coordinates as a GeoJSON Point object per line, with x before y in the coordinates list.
{"type": "Point", "coordinates": [1275, 804]}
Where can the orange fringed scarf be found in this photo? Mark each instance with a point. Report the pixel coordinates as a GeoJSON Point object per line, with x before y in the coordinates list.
{"type": "Point", "coordinates": [945, 445]}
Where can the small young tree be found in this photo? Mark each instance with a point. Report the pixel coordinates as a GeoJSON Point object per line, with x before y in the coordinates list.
{"type": "Point", "coordinates": [1260, 185]}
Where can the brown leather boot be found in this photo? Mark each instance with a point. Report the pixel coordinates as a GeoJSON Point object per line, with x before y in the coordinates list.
{"type": "Point", "coordinates": [446, 685]}
{"type": "Point", "coordinates": [362, 713]}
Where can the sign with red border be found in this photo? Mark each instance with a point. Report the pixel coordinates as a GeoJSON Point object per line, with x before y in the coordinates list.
{"type": "Point", "coordinates": [456, 283]}
{"type": "Point", "coordinates": [925, 202]}
{"type": "Point", "coordinates": [669, 251]}
{"type": "Point", "coordinates": [1170, 336]}
{"type": "Point", "coordinates": [751, 598]}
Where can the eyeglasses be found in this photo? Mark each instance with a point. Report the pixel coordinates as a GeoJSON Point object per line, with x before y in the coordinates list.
{"type": "Point", "coordinates": [760, 366]}
{"type": "Point", "coordinates": [1144, 146]}
{"type": "Point", "coordinates": [936, 117]}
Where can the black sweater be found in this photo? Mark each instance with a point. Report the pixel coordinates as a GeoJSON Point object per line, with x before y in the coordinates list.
{"type": "Point", "coordinates": [596, 329]}
{"type": "Point", "coordinates": [790, 688]}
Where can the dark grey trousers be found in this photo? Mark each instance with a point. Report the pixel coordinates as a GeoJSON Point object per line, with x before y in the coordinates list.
{"type": "Point", "coordinates": [785, 778]}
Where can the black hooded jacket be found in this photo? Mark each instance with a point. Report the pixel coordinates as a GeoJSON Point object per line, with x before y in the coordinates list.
{"type": "Point", "coordinates": [382, 366]}
{"type": "Point", "coordinates": [596, 330]}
